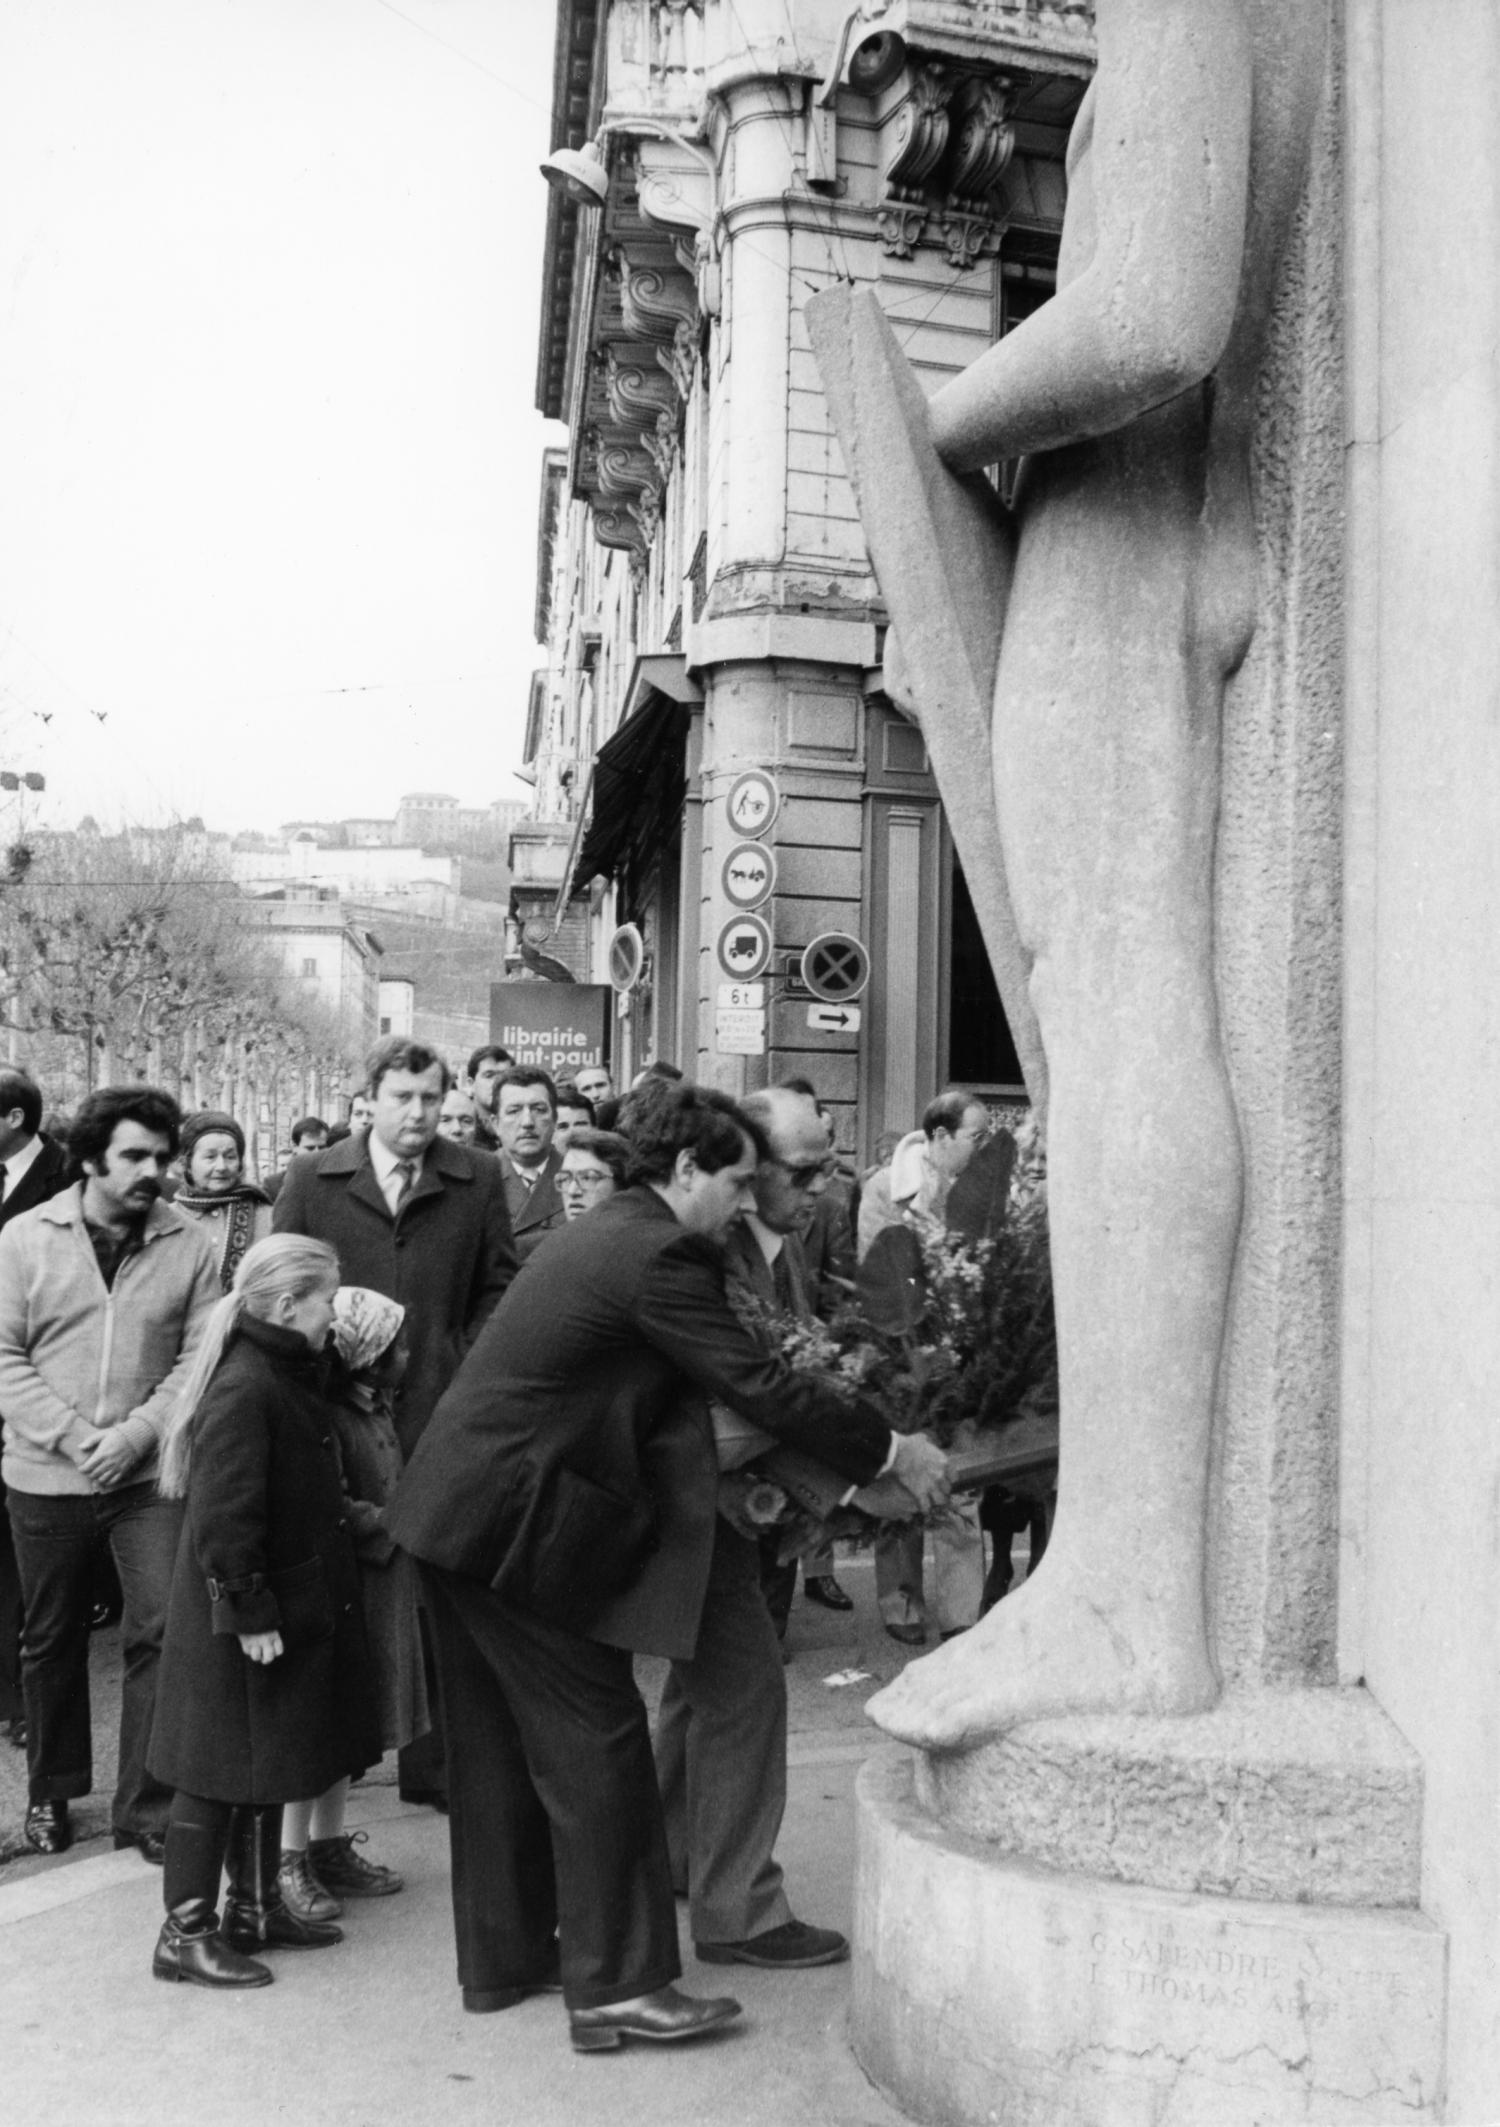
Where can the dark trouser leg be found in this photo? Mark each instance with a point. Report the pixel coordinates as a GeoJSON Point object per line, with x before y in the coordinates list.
{"type": "Point", "coordinates": [735, 1691]}
{"type": "Point", "coordinates": [55, 1539]}
{"type": "Point", "coordinates": [499, 1839]}
{"type": "Point", "coordinates": [143, 1531]}
{"type": "Point", "coordinates": [420, 1766]}
{"type": "Point", "coordinates": [12, 1703]}
{"type": "Point", "coordinates": [197, 1841]}
{"type": "Point", "coordinates": [674, 1720]}
{"type": "Point", "coordinates": [778, 1582]}
{"type": "Point", "coordinates": [548, 1745]}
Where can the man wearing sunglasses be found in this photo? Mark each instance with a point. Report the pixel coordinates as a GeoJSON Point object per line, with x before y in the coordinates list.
{"type": "Point", "coordinates": [721, 1732]}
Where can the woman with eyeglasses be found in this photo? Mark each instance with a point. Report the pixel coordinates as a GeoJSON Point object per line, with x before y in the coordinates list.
{"type": "Point", "coordinates": [593, 1168]}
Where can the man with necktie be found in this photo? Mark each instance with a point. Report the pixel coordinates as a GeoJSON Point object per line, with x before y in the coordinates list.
{"type": "Point", "coordinates": [423, 1220]}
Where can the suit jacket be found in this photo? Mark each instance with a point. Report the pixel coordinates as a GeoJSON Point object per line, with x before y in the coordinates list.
{"type": "Point", "coordinates": [447, 1258]}
{"type": "Point", "coordinates": [745, 1266]}
{"type": "Point", "coordinates": [598, 1362]}
{"type": "Point", "coordinates": [45, 1178]}
{"type": "Point", "coordinates": [535, 1211]}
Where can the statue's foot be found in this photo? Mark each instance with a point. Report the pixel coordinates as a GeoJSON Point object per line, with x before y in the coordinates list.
{"type": "Point", "coordinates": [1054, 1647]}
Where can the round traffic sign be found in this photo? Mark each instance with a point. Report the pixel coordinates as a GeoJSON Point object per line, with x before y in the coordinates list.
{"type": "Point", "coordinates": [627, 954]}
{"type": "Point", "coordinates": [745, 948]}
{"type": "Point", "coordinates": [749, 875]}
{"type": "Point", "coordinates": [753, 802]}
{"type": "Point", "coordinates": [835, 967]}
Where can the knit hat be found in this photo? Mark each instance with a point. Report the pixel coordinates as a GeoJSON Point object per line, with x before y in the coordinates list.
{"type": "Point", "coordinates": [210, 1122]}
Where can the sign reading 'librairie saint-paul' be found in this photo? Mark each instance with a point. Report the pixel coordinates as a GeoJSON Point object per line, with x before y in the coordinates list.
{"type": "Point", "coordinates": [560, 1026]}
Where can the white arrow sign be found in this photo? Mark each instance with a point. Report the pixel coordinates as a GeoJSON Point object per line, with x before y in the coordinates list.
{"type": "Point", "coordinates": [834, 1018]}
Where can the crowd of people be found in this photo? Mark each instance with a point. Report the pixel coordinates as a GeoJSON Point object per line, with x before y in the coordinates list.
{"type": "Point", "coordinates": [411, 1449]}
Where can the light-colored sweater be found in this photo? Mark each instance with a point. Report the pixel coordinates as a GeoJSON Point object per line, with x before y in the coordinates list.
{"type": "Point", "coordinates": [76, 1357]}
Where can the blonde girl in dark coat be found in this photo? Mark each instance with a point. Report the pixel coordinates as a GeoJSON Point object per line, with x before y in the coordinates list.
{"type": "Point", "coordinates": [266, 1691]}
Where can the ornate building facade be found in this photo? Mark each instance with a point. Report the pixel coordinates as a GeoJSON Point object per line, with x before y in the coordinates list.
{"type": "Point", "coordinates": [705, 598]}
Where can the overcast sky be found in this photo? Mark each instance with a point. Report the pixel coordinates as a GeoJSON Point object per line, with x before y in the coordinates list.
{"type": "Point", "coordinates": [269, 283]}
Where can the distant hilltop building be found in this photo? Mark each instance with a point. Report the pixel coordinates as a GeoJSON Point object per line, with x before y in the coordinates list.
{"type": "Point", "coordinates": [427, 820]}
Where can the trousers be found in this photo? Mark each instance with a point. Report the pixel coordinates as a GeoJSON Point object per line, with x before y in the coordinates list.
{"type": "Point", "coordinates": [56, 1540]}
{"type": "Point", "coordinates": [721, 1755]}
{"type": "Point", "coordinates": [555, 1828]}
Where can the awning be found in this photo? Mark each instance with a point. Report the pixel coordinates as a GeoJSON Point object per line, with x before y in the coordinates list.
{"type": "Point", "coordinates": [638, 779]}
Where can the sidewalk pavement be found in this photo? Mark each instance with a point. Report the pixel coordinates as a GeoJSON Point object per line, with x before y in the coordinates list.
{"type": "Point", "coordinates": [373, 2032]}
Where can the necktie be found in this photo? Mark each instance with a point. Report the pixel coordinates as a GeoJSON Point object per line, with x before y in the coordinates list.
{"type": "Point", "coordinates": [407, 1169]}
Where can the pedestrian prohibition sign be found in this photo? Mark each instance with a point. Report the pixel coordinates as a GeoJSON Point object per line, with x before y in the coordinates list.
{"type": "Point", "coordinates": [835, 967]}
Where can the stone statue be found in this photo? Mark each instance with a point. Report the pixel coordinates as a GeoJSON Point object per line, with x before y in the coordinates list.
{"type": "Point", "coordinates": [1113, 616]}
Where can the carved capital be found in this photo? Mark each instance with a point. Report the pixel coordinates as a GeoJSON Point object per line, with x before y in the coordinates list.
{"type": "Point", "coordinates": [900, 223]}
{"type": "Point", "coordinates": [967, 238]}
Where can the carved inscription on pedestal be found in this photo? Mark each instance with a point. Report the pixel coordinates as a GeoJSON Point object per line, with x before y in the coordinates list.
{"type": "Point", "coordinates": [1204, 1976]}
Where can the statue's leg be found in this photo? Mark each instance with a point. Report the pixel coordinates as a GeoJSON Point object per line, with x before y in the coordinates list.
{"type": "Point", "coordinates": [1107, 722]}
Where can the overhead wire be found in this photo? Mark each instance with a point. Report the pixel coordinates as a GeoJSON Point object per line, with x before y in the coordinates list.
{"type": "Point", "coordinates": [458, 52]}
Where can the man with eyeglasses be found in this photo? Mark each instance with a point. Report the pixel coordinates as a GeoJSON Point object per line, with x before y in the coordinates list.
{"type": "Point", "coordinates": [526, 1117]}
{"type": "Point", "coordinates": [914, 1189]}
{"type": "Point", "coordinates": [595, 1164]}
{"type": "Point", "coordinates": [721, 1732]}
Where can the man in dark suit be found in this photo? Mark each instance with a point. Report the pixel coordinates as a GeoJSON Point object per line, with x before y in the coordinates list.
{"type": "Point", "coordinates": [563, 1504]}
{"type": "Point", "coordinates": [721, 1732]}
{"type": "Point", "coordinates": [33, 1167]}
{"type": "Point", "coordinates": [424, 1221]}
{"type": "Point", "coordinates": [526, 1116]}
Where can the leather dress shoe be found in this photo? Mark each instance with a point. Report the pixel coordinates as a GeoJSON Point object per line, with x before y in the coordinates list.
{"type": "Point", "coordinates": [151, 1846]}
{"type": "Point", "coordinates": [47, 1830]}
{"type": "Point", "coordinates": [790, 1948]}
{"type": "Point", "coordinates": [909, 1635]}
{"type": "Point", "coordinates": [823, 1588]}
{"type": "Point", "coordinates": [665, 2017]}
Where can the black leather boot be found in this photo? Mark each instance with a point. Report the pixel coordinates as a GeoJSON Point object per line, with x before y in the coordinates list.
{"type": "Point", "coordinates": [190, 1947]}
{"type": "Point", "coordinates": [256, 1916]}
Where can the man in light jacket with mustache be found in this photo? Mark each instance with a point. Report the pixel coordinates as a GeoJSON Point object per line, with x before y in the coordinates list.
{"type": "Point", "coordinates": [104, 1292]}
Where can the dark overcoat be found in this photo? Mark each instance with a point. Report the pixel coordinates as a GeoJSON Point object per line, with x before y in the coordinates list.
{"type": "Point", "coordinates": [369, 1457]}
{"type": "Point", "coordinates": [597, 1366]}
{"type": "Point", "coordinates": [45, 1178]}
{"type": "Point", "coordinates": [447, 1256]}
{"type": "Point", "coordinates": [535, 1210]}
{"type": "Point", "coordinates": [266, 1546]}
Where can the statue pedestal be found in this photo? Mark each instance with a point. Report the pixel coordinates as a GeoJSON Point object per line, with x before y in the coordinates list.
{"type": "Point", "coordinates": [989, 1990]}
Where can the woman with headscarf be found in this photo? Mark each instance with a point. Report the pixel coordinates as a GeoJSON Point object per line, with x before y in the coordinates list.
{"type": "Point", "coordinates": [234, 1213]}
{"type": "Point", "coordinates": [319, 1863]}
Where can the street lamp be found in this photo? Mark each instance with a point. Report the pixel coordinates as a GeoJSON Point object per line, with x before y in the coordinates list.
{"type": "Point", "coordinates": [580, 174]}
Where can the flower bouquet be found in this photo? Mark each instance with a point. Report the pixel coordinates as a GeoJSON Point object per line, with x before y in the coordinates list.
{"type": "Point", "coordinates": [947, 1330]}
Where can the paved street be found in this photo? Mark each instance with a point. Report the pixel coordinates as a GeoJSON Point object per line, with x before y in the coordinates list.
{"type": "Point", "coordinates": [373, 2032]}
